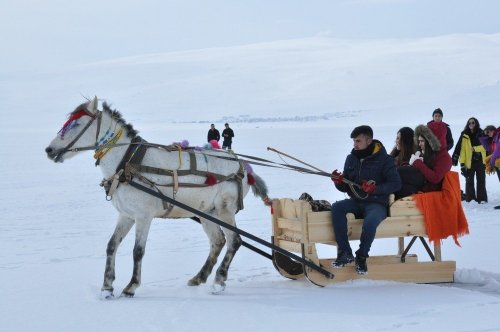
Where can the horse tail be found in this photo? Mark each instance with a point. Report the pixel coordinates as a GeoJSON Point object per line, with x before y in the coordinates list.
{"type": "Point", "coordinates": [259, 189]}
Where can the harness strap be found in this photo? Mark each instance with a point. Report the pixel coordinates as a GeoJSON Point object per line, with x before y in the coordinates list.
{"type": "Point", "coordinates": [239, 180]}
{"type": "Point", "coordinates": [134, 154]}
{"type": "Point", "coordinates": [175, 178]}
{"type": "Point", "coordinates": [68, 147]}
{"type": "Point", "coordinates": [136, 170]}
{"type": "Point", "coordinates": [115, 181]}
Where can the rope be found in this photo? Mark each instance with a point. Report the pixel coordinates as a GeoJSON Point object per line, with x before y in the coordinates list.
{"type": "Point", "coordinates": [101, 151]}
{"type": "Point", "coordinates": [352, 185]}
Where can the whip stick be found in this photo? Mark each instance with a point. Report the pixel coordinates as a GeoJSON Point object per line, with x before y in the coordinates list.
{"type": "Point", "coordinates": [350, 183]}
{"type": "Point", "coordinates": [298, 160]}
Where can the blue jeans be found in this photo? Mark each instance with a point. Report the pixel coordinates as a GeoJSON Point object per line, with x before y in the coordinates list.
{"type": "Point", "coordinates": [373, 214]}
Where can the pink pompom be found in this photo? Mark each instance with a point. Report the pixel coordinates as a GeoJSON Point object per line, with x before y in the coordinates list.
{"type": "Point", "coordinates": [214, 144]}
{"type": "Point", "coordinates": [211, 179]}
{"type": "Point", "coordinates": [250, 179]}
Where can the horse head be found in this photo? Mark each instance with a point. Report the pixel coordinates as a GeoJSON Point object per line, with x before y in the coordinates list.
{"type": "Point", "coordinates": [75, 135]}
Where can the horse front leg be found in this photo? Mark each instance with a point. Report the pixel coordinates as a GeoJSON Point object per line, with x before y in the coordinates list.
{"type": "Point", "coordinates": [217, 241]}
{"type": "Point", "coordinates": [123, 226]}
{"type": "Point", "coordinates": [141, 236]}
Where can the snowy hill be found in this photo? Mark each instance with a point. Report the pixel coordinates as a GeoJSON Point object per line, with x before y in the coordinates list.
{"type": "Point", "coordinates": [313, 76]}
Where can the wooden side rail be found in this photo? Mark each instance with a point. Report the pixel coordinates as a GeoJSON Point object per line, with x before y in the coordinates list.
{"type": "Point", "coordinates": [298, 229]}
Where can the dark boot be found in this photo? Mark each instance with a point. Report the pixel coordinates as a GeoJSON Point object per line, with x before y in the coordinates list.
{"type": "Point", "coordinates": [343, 259]}
{"type": "Point", "coordinates": [361, 267]}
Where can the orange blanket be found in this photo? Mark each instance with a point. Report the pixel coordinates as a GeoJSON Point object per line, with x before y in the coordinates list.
{"type": "Point", "coordinates": [442, 210]}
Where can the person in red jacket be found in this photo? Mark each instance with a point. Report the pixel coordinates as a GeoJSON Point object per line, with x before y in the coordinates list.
{"type": "Point", "coordinates": [429, 164]}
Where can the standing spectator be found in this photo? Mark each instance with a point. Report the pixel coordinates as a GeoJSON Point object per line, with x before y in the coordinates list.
{"type": "Point", "coordinates": [228, 135]}
{"type": "Point", "coordinates": [471, 155]}
{"type": "Point", "coordinates": [437, 116]}
{"type": "Point", "coordinates": [491, 143]}
{"type": "Point", "coordinates": [405, 146]}
{"type": "Point", "coordinates": [374, 170]}
{"type": "Point", "coordinates": [213, 134]}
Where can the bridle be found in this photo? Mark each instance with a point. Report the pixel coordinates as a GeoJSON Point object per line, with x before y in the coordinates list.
{"type": "Point", "coordinates": [95, 115]}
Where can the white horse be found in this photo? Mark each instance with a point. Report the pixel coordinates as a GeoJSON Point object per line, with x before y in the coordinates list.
{"type": "Point", "coordinates": [212, 181]}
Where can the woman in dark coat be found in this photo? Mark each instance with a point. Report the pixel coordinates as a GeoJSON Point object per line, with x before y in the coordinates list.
{"type": "Point", "coordinates": [429, 164]}
{"type": "Point", "coordinates": [405, 146]}
{"type": "Point", "coordinates": [471, 155]}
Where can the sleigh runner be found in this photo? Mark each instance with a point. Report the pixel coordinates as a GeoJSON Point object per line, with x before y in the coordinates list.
{"type": "Point", "coordinates": [297, 228]}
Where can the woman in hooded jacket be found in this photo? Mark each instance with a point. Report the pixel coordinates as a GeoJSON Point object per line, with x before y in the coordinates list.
{"type": "Point", "coordinates": [429, 164]}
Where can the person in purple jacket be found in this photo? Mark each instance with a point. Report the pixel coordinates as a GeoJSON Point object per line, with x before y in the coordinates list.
{"type": "Point", "coordinates": [491, 143]}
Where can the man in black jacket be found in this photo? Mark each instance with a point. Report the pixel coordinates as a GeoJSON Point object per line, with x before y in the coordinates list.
{"type": "Point", "coordinates": [228, 135]}
{"type": "Point", "coordinates": [213, 134]}
{"type": "Point", "coordinates": [374, 171]}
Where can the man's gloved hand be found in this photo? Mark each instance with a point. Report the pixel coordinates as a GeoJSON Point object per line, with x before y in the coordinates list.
{"type": "Point", "coordinates": [415, 157]}
{"type": "Point", "coordinates": [337, 177]}
{"type": "Point", "coordinates": [454, 160]}
{"type": "Point", "coordinates": [368, 186]}
{"type": "Point", "coordinates": [463, 170]}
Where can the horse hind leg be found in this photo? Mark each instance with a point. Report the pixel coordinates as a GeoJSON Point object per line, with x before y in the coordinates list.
{"type": "Point", "coordinates": [141, 235]}
{"type": "Point", "coordinates": [233, 244]}
{"type": "Point", "coordinates": [217, 241]}
{"type": "Point", "coordinates": [226, 212]}
{"type": "Point", "coordinates": [123, 226]}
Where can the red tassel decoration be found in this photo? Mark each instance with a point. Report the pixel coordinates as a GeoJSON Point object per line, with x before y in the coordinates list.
{"type": "Point", "coordinates": [211, 179]}
{"type": "Point", "coordinates": [250, 179]}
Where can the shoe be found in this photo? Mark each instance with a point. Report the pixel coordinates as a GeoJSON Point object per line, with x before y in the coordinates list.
{"type": "Point", "coordinates": [497, 207]}
{"type": "Point", "coordinates": [361, 267]}
{"type": "Point", "coordinates": [482, 202]}
{"type": "Point", "coordinates": [343, 259]}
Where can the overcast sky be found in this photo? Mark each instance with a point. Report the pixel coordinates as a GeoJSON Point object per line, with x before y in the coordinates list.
{"type": "Point", "coordinates": [47, 34]}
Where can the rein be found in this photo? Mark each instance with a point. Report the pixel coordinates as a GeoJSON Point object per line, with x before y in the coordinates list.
{"type": "Point", "coordinates": [68, 148]}
{"type": "Point", "coordinates": [135, 169]}
{"type": "Point", "coordinates": [352, 185]}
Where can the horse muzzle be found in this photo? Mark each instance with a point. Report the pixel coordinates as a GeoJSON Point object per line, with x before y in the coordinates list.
{"type": "Point", "coordinates": [55, 155]}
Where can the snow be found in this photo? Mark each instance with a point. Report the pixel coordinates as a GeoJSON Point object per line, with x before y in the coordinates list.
{"type": "Point", "coordinates": [55, 221]}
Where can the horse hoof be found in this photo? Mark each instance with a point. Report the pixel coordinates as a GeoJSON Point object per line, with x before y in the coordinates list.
{"type": "Point", "coordinates": [218, 288]}
{"type": "Point", "coordinates": [107, 295]}
{"type": "Point", "coordinates": [194, 282]}
{"type": "Point", "coordinates": [127, 293]}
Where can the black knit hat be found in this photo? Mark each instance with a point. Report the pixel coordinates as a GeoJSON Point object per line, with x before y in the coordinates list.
{"type": "Point", "coordinates": [437, 110]}
{"type": "Point", "coordinates": [490, 128]}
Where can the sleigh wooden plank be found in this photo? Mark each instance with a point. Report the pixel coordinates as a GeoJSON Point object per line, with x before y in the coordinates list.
{"type": "Point", "coordinates": [297, 228]}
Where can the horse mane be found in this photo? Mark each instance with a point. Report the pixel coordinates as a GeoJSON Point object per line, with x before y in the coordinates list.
{"type": "Point", "coordinates": [116, 115]}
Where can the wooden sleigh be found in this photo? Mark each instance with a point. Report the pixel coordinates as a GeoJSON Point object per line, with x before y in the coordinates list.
{"type": "Point", "coordinates": [298, 229]}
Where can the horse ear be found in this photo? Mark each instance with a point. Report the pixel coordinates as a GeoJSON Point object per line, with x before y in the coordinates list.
{"type": "Point", "coordinates": [92, 107]}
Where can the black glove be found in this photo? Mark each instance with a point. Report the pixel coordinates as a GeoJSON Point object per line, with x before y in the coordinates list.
{"type": "Point", "coordinates": [463, 170]}
{"type": "Point", "coordinates": [454, 160]}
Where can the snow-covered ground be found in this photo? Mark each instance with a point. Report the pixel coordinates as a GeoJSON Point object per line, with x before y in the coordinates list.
{"type": "Point", "coordinates": [56, 223]}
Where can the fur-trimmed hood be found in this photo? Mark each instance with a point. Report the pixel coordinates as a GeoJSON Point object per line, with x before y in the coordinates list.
{"type": "Point", "coordinates": [434, 133]}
